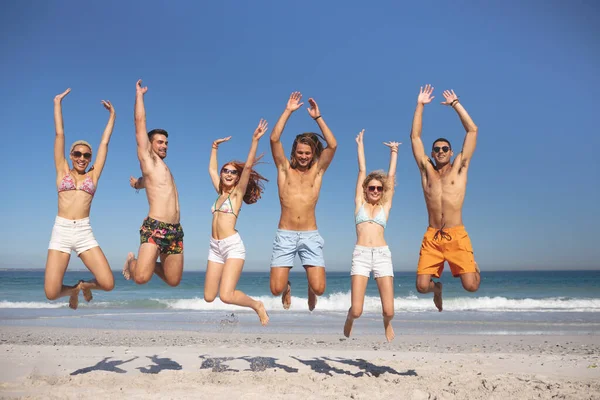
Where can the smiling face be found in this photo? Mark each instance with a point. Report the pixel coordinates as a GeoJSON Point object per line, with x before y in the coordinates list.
{"type": "Point", "coordinates": [229, 176]}
{"type": "Point", "coordinates": [374, 191]}
{"type": "Point", "coordinates": [160, 144]}
{"type": "Point", "coordinates": [441, 152]}
{"type": "Point", "coordinates": [303, 155]}
{"type": "Point", "coordinates": [81, 156]}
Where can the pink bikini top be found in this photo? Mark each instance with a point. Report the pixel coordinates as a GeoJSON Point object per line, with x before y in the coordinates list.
{"type": "Point", "coordinates": [68, 183]}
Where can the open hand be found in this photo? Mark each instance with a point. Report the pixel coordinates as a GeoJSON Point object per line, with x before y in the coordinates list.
{"type": "Point", "coordinates": [425, 96]}
{"type": "Point", "coordinates": [393, 145]}
{"type": "Point", "coordinates": [450, 96]}
{"type": "Point", "coordinates": [58, 98]}
{"type": "Point", "coordinates": [260, 129]}
{"type": "Point", "coordinates": [108, 106]}
{"type": "Point", "coordinates": [294, 101]}
{"type": "Point", "coordinates": [219, 141]}
{"type": "Point", "coordinates": [359, 137]}
{"type": "Point", "coordinates": [139, 89]}
{"type": "Point", "coordinates": [313, 110]}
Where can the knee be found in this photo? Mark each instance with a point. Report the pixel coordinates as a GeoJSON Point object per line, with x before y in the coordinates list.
{"type": "Point", "coordinates": [318, 289]}
{"type": "Point", "coordinates": [226, 297]}
{"type": "Point", "coordinates": [173, 281]}
{"type": "Point", "coordinates": [388, 314]}
{"type": "Point", "coordinates": [423, 287]}
{"type": "Point", "coordinates": [51, 293]}
{"type": "Point", "coordinates": [355, 312]}
{"type": "Point", "coordinates": [209, 298]}
{"type": "Point", "coordinates": [277, 289]}
{"type": "Point", "coordinates": [141, 278]}
{"type": "Point", "coordinates": [108, 284]}
{"type": "Point", "coordinates": [471, 286]}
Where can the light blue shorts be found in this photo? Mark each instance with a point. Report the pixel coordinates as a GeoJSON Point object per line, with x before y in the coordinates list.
{"type": "Point", "coordinates": [307, 244]}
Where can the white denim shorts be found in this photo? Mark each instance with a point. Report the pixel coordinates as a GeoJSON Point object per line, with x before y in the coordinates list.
{"type": "Point", "coordinates": [230, 247]}
{"type": "Point", "coordinates": [72, 235]}
{"type": "Point", "coordinates": [376, 259]}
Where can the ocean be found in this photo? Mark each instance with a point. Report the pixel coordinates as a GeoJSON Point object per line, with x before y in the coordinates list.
{"type": "Point", "coordinates": [510, 302]}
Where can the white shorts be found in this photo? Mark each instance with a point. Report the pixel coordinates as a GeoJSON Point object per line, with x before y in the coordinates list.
{"type": "Point", "coordinates": [230, 247]}
{"type": "Point", "coordinates": [72, 235]}
{"type": "Point", "coordinates": [376, 259]}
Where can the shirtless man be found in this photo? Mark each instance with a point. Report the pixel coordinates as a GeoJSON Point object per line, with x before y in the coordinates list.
{"type": "Point", "coordinates": [161, 233]}
{"type": "Point", "coordinates": [444, 185]}
{"type": "Point", "coordinates": [299, 181]}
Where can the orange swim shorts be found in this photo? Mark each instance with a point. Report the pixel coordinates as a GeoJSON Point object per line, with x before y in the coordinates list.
{"type": "Point", "coordinates": [446, 244]}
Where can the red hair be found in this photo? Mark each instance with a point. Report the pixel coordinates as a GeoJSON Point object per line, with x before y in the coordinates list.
{"type": "Point", "coordinates": [255, 186]}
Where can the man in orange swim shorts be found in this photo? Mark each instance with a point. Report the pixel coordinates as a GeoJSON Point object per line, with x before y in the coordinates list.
{"type": "Point", "coordinates": [444, 185]}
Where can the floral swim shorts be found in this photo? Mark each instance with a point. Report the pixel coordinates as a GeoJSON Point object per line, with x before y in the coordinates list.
{"type": "Point", "coordinates": [168, 237]}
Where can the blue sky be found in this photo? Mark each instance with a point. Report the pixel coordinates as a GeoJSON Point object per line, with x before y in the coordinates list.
{"type": "Point", "coordinates": [526, 72]}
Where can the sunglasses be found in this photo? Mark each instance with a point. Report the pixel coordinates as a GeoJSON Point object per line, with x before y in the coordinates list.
{"type": "Point", "coordinates": [438, 148]}
{"type": "Point", "coordinates": [78, 154]}
{"type": "Point", "coordinates": [227, 171]}
{"type": "Point", "coordinates": [375, 188]}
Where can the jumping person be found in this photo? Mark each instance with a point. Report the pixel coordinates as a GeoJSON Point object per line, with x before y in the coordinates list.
{"type": "Point", "coordinates": [72, 231]}
{"type": "Point", "coordinates": [236, 182]}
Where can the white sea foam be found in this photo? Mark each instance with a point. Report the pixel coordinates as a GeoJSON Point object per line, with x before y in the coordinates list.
{"type": "Point", "coordinates": [29, 304]}
{"type": "Point", "coordinates": [340, 302]}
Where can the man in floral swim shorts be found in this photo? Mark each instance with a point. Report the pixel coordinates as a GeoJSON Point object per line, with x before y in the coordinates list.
{"type": "Point", "coordinates": [161, 234]}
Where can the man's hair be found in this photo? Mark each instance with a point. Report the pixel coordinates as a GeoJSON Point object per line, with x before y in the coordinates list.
{"type": "Point", "coordinates": [157, 132]}
{"type": "Point", "coordinates": [441, 140]}
{"type": "Point", "coordinates": [314, 141]}
{"type": "Point", "coordinates": [255, 186]}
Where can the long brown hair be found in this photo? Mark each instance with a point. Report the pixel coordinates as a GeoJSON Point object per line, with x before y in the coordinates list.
{"type": "Point", "coordinates": [382, 177]}
{"type": "Point", "coordinates": [316, 146]}
{"type": "Point", "coordinates": [255, 186]}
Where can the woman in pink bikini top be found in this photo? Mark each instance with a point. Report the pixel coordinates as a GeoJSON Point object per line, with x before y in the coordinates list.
{"type": "Point", "coordinates": [76, 187]}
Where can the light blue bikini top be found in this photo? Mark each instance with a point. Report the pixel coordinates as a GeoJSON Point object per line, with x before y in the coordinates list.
{"type": "Point", "coordinates": [361, 216]}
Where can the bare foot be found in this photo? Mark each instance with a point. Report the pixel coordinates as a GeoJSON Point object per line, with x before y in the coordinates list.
{"type": "Point", "coordinates": [389, 330]}
{"type": "Point", "coordinates": [74, 299]}
{"type": "Point", "coordinates": [437, 296]}
{"type": "Point", "coordinates": [126, 271]}
{"type": "Point", "coordinates": [312, 299]}
{"type": "Point", "coordinates": [262, 313]}
{"type": "Point", "coordinates": [286, 297]}
{"type": "Point", "coordinates": [87, 293]}
{"type": "Point", "coordinates": [348, 327]}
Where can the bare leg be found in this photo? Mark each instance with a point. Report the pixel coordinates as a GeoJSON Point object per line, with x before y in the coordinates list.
{"type": "Point", "coordinates": [96, 262]}
{"type": "Point", "coordinates": [385, 284]}
{"type": "Point", "coordinates": [170, 269]}
{"type": "Point", "coordinates": [471, 281]}
{"type": "Point", "coordinates": [426, 285]}
{"type": "Point", "coordinates": [212, 280]}
{"type": "Point", "coordinates": [316, 284]}
{"type": "Point", "coordinates": [141, 270]}
{"type": "Point", "coordinates": [229, 295]}
{"type": "Point", "coordinates": [359, 287]}
{"type": "Point", "coordinates": [280, 284]}
{"type": "Point", "coordinates": [56, 265]}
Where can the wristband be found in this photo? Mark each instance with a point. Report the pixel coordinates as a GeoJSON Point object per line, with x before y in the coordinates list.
{"type": "Point", "coordinates": [453, 102]}
{"type": "Point", "coordinates": [215, 146]}
{"type": "Point", "coordinates": [317, 118]}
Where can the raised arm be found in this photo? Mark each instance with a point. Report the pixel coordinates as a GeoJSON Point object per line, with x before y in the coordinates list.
{"type": "Point", "coordinates": [59, 140]}
{"type": "Point", "coordinates": [418, 149]}
{"type": "Point", "coordinates": [258, 133]}
{"type": "Point", "coordinates": [213, 165]}
{"type": "Point", "coordinates": [392, 171]}
{"type": "Point", "coordinates": [329, 151]}
{"type": "Point", "coordinates": [471, 136]}
{"type": "Point", "coordinates": [103, 148]}
{"type": "Point", "coordinates": [362, 171]}
{"type": "Point", "coordinates": [294, 103]}
{"type": "Point", "coordinates": [141, 134]}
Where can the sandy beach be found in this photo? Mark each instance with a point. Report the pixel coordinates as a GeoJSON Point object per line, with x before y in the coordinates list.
{"type": "Point", "coordinates": [64, 363]}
